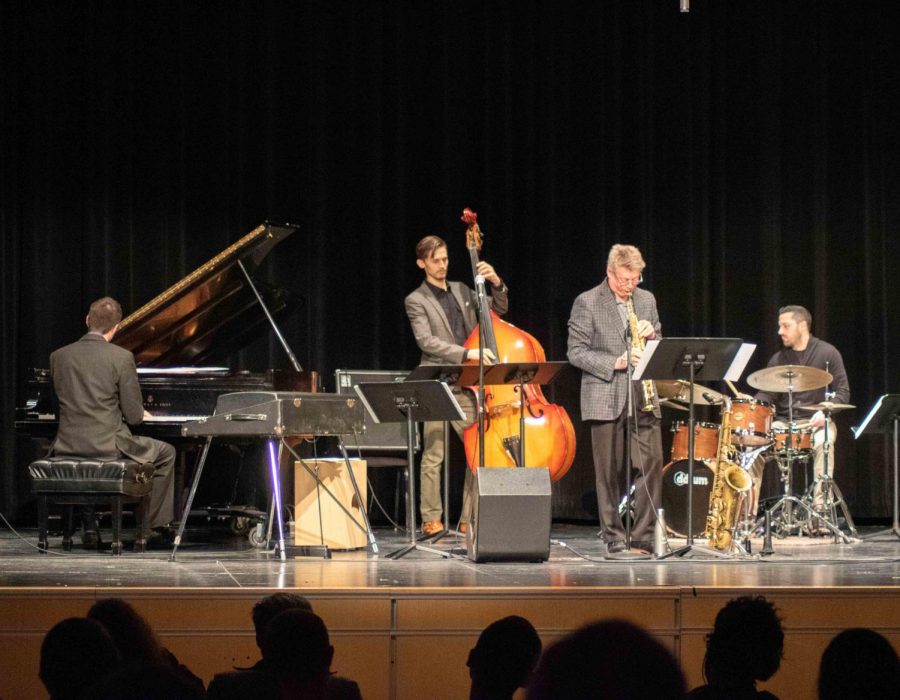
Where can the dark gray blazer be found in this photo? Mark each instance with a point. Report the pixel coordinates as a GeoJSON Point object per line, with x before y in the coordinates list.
{"type": "Point", "coordinates": [96, 383]}
{"type": "Point", "coordinates": [431, 327]}
{"type": "Point", "coordinates": [596, 339]}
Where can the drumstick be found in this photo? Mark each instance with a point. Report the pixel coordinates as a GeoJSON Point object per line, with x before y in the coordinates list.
{"type": "Point", "coordinates": [732, 387]}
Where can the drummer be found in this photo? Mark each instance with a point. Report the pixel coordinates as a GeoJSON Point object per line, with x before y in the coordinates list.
{"type": "Point", "coordinates": [801, 347]}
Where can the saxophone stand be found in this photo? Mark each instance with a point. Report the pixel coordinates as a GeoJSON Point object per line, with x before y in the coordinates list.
{"type": "Point", "coordinates": [707, 359]}
{"type": "Point", "coordinates": [410, 402]}
{"type": "Point", "coordinates": [883, 418]}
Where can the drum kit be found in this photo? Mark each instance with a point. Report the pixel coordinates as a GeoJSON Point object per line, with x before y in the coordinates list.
{"type": "Point", "coordinates": [815, 511]}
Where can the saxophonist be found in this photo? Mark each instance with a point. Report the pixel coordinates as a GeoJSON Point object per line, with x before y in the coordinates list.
{"type": "Point", "coordinates": [600, 341]}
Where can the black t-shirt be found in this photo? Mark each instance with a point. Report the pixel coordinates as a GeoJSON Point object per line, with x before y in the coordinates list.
{"type": "Point", "coordinates": [820, 355]}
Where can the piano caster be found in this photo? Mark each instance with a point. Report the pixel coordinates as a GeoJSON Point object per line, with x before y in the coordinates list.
{"type": "Point", "coordinates": [257, 535]}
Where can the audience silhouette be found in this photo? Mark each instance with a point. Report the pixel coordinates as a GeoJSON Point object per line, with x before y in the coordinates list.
{"type": "Point", "coordinates": [76, 653]}
{"type": "Point", "coordinates": [610, 659]}
{"type": "Point", "coordinates": [135, 639]}
{"type": "Point", "coordinates": [259, 681]}
{"type": "Point", "coordinates": [298, 652]}
{"type": "Point", "coordinates": [859, 663]}
{"type": "Point", "coordinates": [745, 646]}
{"type": "Point", "coordinates": [503, 658]}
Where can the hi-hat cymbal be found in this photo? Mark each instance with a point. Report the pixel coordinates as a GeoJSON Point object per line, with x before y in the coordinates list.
{"type": "Point", "coordinates": [797, 377]}
{"type": "Point", "coordinates": [826, 406]}
{"type": "Point", "coordinates": [680, 390]}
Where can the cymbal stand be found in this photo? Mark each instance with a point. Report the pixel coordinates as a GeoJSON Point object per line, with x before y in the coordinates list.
{"type": "Point", "coordinates": [786, 522]}
{"type": "Point", "coordinates": [824, 488]}
{"type": "Point", "coordinates": [746, 525]}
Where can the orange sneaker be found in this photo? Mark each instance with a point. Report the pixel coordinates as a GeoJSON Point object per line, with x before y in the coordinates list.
{"type": "Point", "coordinates": [463, 527]}
{"type": "Point", "coordinates": [432, 527]}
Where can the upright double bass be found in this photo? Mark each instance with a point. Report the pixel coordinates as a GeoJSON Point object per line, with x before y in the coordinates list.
{"type": "Point", "coordinates": [549, 435]}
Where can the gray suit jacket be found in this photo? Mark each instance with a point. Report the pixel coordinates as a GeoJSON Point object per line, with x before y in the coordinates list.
{"type": "Point", "coordinates": [431, 327]}
{"type": "Point", "coordinates": [97, 386]}
{"type": "Point", "coordinates": [596, 339]}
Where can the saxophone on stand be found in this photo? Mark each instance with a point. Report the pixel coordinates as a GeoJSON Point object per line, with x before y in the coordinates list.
{"type": "Point", "coordinates": [730, 483]}
{"type": "Point", "coordinates": [648, 388]}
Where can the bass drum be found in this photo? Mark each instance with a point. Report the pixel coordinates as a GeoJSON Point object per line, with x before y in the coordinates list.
{"type": "Point", "coordinates": [675, 496]}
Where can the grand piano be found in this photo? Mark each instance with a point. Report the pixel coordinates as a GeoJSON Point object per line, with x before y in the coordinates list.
{"type": "Point", "coordinates": [217, 309]}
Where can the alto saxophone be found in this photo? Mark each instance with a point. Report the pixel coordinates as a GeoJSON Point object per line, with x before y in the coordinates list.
{"type": "Point", "coordinates": [729, 483]}
{"type": "Point", "coordinates": [648, 388]}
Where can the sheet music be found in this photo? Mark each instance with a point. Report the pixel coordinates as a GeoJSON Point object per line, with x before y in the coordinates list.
{"type": "Point", "coordinates": [739, 363]}
{"type": "Point", "coordinates": [649, 349]}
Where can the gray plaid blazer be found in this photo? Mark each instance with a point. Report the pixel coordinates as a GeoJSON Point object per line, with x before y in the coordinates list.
{"type": "Point", "coordinates": [431, 327]}
{"type": "Point", "coordinates": [596, 339]}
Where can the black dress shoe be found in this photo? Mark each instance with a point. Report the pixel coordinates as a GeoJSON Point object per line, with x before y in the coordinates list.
{"type": "Point", "coordinates": [642, 545]}
{"type": "Point", "coordinates": [615, 546]}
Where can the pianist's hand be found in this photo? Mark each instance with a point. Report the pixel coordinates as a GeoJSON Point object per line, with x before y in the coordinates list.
{"type": "Point", "coordinates": [147, 414]}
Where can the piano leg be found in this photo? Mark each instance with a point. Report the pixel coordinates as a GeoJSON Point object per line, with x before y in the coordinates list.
{"type": "Point", "coordinates": [190, 501]}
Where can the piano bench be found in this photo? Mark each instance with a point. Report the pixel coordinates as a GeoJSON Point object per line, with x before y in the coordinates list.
{"type": "Point", "coordinates": [71, 481]}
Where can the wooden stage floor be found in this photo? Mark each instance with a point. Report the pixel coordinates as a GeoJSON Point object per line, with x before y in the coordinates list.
{"type": "Point", "coordinates": [382, 613]}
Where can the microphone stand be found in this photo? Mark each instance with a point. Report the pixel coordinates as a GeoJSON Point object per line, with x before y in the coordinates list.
{"type": "Point", "coordinates": [626, 453]}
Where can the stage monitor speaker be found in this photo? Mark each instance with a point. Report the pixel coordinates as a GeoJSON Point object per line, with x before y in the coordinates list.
{"type": "Point", "coordinates": [511, 515]}
{"type": "Point", "coordinates": [386, 437]}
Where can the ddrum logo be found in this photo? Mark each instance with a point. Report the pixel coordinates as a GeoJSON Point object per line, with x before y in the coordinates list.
{"type": "Point", "coordinates": [681, 479]}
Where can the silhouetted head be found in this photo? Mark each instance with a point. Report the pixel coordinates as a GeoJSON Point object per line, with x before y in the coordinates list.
{"type": "Point", "coordinates": [859, 663]}
{"type": "Point", "coordinates": [131, 633]}
{"type": "Point", "coordinates": [504, 657]}
{"type": "Point", "coordinates": [296, 648]}
{"type": "Point", "coordinates": [611, 659]}
{"type": "Point", "coordinates": [746, 643]}
{"type": "Point", "coordinates": [75, 654]}
{"type": "Point", "coordinates": [270, 606]}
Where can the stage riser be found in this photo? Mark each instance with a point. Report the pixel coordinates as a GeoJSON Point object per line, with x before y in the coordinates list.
{"type": "Point", "coordinates": [405, 644]}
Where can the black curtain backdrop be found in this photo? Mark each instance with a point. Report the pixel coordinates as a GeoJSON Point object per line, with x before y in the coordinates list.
{"type": "Point", "coordinates": [749, 148]}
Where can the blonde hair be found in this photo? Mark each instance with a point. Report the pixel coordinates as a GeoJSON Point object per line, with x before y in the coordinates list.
{"type": "Point", "coordinates": [629, 256]}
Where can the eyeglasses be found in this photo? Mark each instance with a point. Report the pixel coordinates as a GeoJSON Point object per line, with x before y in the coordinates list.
{"type": "Point", "coordinates": [628, 281]}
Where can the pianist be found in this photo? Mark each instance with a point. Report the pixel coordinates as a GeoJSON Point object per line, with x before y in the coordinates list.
{"type": "Point", "coordinates": [99, 396]}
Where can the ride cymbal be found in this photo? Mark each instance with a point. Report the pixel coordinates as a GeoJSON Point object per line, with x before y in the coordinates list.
{"type": "Point", "coordinates": [826, 406]}
{"type": "Point", "coordinates": [782, 377]}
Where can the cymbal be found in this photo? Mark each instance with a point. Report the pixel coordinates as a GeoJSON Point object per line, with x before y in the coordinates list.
{"type": "Point", "coordinates": [826, 406]}
{"type": "Point", "coordinates": [668, 403]}
{"type": "Point", "coordinates": [800, 378]}
{"type": "Point", "coordinates": [680, 390]}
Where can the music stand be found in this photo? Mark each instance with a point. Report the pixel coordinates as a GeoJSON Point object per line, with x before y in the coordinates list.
{"type": "Point", "coordinates": [706, 359]}
{"type": "Point", "coordinates": [883, 418]}
{"type": "Point", "coordinates": [412, 402]}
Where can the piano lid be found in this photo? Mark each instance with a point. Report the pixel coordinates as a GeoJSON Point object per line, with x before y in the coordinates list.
{"type": "Point", "coordinates": [202, 314]}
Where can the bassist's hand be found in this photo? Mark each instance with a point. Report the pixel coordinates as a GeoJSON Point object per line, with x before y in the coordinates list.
{"type": "Point", "coordinates": [489, 357]}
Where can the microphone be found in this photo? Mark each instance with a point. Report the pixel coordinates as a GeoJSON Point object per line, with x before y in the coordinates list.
{"type": "Point", "coordinates": [710, 398]}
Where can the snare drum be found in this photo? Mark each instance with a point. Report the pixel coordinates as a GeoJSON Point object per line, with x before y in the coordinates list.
{"type": "Point", "coordinates": [751, 422]}
{"type": "Point", "coordinates": [802, 439]}
{"type": "Point", "coordinates": [706, 440]}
